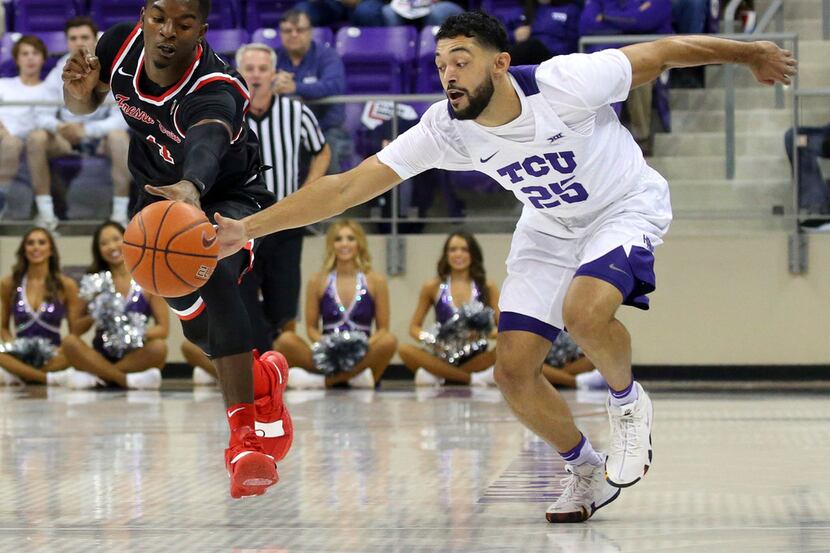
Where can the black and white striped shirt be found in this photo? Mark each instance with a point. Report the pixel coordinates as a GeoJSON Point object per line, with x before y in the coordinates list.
{"type": "Point", "coordinates": [284, 130]}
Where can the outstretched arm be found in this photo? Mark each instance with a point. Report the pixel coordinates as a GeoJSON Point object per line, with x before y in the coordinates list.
{"type": "Point", "coordinates": [769, 63]}
{"type": "Point", "coordinates": [326, 197]}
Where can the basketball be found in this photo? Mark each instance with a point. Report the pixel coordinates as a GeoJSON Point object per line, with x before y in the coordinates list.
{"type": "Point", "coordinates": [170, 248]}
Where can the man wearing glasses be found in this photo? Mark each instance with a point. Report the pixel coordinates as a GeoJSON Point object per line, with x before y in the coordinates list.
{"type": "Point", "coordinates": [313, 71]}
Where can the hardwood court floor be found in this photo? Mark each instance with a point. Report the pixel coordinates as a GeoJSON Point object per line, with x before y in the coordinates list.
{"type": "Point", "coordinates": [403, 470]}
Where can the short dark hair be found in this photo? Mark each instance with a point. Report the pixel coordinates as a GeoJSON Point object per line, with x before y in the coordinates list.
{"type": "Point", "coordinates": [81, 21]}
{"type": "Point", "coordinates": [486, 29]}
{"type": "Point", "coordinates": [293, 15]}
{"type": "Point", "coordinates": [31, 40]}
{"type": "Point", "coordinates": [204, 8]}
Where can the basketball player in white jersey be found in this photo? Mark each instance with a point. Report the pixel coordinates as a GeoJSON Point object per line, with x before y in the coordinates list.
{"type": "Point", "coordinates": [593, 214]}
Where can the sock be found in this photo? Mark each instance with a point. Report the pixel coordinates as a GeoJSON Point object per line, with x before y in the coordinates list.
{"type": "Point", "coordinates": [119, 207]}
{"type": "Point", "coordinates": [624, 397]}
{"type": "Point", "coordinates": [582, 453]}
{"type": "Point", "coordinates": [45, 207]}
{"type": "Point", "coordinates": [241, 414]}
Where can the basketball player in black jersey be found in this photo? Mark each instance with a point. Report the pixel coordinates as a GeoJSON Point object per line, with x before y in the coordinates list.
{"type": "Point", "coordinates": [186, 109]}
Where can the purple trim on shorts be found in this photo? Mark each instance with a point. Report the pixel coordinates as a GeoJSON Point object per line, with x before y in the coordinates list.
{"type": "Point", "coordinates": [633, 275]}
{"type": "Point", "coordinates": [573, 454]}
{"type": "Point", "coordinates": [525, 75]}
{"type": "Point", "coordinates": [516, 321]}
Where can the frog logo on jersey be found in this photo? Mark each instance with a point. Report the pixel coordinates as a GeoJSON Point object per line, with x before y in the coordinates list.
{"type": "Point", "coordinates": [552, 194]}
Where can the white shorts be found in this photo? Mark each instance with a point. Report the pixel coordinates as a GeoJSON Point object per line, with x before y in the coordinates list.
{"type": "Point", "coordinates": [617, 247]}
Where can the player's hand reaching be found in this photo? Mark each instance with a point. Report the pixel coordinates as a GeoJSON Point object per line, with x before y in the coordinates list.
{"type": "Point", "coordinates": [184, 191]}
{"type": "Point", "coordinates": [230, 234]}
{"type": "Point", "coordinates": [772, 64]}
{"type": "Point", "coordinates": [81, 74]}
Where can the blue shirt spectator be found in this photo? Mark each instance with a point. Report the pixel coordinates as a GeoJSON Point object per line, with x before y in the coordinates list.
{"type": "Point", "coordinates": [313, 71]}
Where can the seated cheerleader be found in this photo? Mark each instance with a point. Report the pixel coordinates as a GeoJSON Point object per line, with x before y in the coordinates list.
{"type": "Point", "coordinates": [112, 357]}
{"type": "Point", "coordinates": [38, 297]}
{"type": "Point", "coordinates": [346, 296]}
{"type": "Point", "coordinates": [461, 280]}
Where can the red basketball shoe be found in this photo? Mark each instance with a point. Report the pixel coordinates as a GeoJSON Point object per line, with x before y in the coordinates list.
{"type": "Point", "coordinates": [251, 470]}
{"type": "Point", "coordinates": [273, 422]}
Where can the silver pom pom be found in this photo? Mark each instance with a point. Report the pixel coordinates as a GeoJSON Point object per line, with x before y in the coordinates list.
{"type": "Point", "coordinates": [339, 351]}
{"type": "Point", "coordinates": [35, 351]}
{"type": "Point", "coordinates": [462, 336]}
{"type": "Point", "coordinates": [564, 351]}
{"type": "Point", "coordinates": [120, 331]}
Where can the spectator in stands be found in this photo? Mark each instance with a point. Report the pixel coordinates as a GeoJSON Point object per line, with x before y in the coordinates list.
{"type": "Point", "coordinates": [360, 13]}
{"type": "Point", "coordinates": [288, 133]}
{"type": "Point", "coordinates": [18, 122]}
{"type": "Point", "coordinates": [548, 28]}
{"type": "Point", "coordinates": [641, 17]}
{"type": "Point", "coordinates": [419, 12]}
{"type": "Point", "coordinates": [461, 279]}
{"type": "Point", "coordinates": [693, 17]}
{"type": "Point", "coordinates": [61, 133]}
{"type": "Point", "coordinates": [345, 295]}
{"type": "Point", "coordinates": [813, 187]}
{"type": "Point", "coordinates": [313, 71]}
{"type": "Point", "coordinates": [137, 367]}
{"type": "Point", "coordinates": [37, 297]}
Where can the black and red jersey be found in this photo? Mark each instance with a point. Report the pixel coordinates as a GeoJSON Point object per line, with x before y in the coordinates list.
{"type": "Point", "coordinates": [160, 117]}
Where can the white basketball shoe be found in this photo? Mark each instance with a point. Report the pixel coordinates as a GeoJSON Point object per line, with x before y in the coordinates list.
{"type": "Point", "coordinates": [585, 491]}
{"type": "Point", "coordinates": [630, 454]}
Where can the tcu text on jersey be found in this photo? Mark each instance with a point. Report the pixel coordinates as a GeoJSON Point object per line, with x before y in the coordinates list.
{"type": "Point", "coordinates": [555, 164]}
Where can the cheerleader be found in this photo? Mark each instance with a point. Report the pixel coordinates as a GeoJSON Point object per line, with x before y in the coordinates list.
{"type": "Point", "coordinates": [345, 296]}
{"type": "Point", "coordinates": [461, 279]}
{"type": "Point", "coordinates": [134, 368]}
{"type": "Point", "coordinates": [37, 297]}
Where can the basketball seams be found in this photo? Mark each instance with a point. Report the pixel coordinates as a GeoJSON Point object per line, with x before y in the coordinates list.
{"type": "Point", "coordinates": [143, 245]}
{"type": "Point", "coordinates": [182, 231]}
{"type": "Point", "coordinates": [174, 273]}
{"type": "Point", "coordinates": [159, 227]}
{"type": "Point", "coordinates": [177, 252]}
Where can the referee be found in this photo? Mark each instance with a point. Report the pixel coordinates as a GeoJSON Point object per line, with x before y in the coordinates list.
{"type": "Point", "coordinates": [289, 140]}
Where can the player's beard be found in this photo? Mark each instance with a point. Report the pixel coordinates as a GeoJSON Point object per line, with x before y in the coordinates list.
{"type": "Point", "coordinates": [477, 101]}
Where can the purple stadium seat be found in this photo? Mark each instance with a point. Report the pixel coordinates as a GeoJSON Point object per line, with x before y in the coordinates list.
{"type": "Point", "coordinates": [224, 14]}
{"type": "Point", "coordinates": [426, 76]}
{"type": "Point", "coordinates": [271, 36]}
{"type": "Point", "coordinates": [377, 59]}
{"type": "Point", "coordinates": [107, 13]}
{"type": "Point", "coordinates": [42, 15]}
{"type": "Point", "coordinates": [226, 41]}
{"type": "Point", "coordinates": [265, 13]}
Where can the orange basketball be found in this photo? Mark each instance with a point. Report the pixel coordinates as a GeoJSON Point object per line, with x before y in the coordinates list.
{"type": "Point", "coordinates": [170, 248]}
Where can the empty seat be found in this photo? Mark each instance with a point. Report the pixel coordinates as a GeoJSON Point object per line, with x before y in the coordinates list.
{"type": "Point", "coordinates": [107, 13]}
{"type": "Point", "coordinates": [426, 75]}
{"type": "Point", "coordinates": [377, 59]}
{"type": "Point", "coordinates": [226, 41]}
{"type": "Point", "coordinates": [42, 15]}
{"type": "Point", "coordinates": [224, 14]}
{"type": "Point", "coordinates": [265, 13]}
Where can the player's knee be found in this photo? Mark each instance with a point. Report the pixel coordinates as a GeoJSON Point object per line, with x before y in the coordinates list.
{"type": "Point", "coordinates": [583, 321]}
{"type": "Point", "coordinates": [511, 373]}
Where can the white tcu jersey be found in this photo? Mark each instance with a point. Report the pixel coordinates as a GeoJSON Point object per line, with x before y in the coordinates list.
{"type": "Point", "coordinates": [567, 157]}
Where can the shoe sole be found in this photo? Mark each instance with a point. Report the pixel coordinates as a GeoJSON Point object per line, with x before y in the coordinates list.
{"type": "Point", "coordinates": [582, 516]}
{"type": "Point", "coordinates": [254, 473]}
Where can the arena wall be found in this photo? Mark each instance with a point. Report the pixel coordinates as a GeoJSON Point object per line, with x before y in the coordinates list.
{"type": "Point", "coordinates": [720, 299]}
